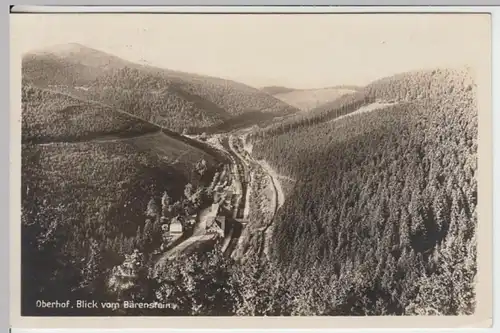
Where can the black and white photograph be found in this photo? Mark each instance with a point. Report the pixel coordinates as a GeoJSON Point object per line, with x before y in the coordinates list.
{"type": "Point", "coordinates": [250, 165]}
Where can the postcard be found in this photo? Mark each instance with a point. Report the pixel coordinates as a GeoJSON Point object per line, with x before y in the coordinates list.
{"type": "Point", "coordinates": [251, 169]}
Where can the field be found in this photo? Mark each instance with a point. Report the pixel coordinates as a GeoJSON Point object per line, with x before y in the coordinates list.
{"type": "Point", "coordinates": [309, 99]}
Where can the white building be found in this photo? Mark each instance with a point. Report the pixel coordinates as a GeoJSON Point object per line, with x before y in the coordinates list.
{"type": "Point", "coordinates": [175, 228]}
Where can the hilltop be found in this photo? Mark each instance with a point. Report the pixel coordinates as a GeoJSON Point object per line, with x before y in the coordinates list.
{"type": "Point", "coordinates": [69, 65]}
{"type": "Point", "coordinates": [167, 98]}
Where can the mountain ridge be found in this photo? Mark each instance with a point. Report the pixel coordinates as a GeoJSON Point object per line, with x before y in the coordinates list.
{"type": "Point", "coordinates": [176, 100]}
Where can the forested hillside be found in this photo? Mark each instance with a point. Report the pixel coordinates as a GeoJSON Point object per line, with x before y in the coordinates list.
{"type": "Point", "coordinates": [437, 83]}
{"type": "Point", "coordinates": [391, 213]}
{"type": "Point", "coordinates": [92, 180]}
{"type": "Point", "coordinates": [54, 117]}
{"type": "Point", "coordinates": [171, 99]}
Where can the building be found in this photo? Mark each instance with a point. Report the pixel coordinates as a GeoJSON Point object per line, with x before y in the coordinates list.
{"type": "Point", "coordinates": [214, 228]}
{"type": "Point", "coordinates": [216, 225]}
{"type": "Point", "coordinates": [221, 221]}
{"type": "Point", "coordinates": [175, 228]}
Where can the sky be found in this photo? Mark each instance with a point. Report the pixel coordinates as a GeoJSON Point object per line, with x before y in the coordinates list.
{"type": "Point", "coordinates": [298, 51]}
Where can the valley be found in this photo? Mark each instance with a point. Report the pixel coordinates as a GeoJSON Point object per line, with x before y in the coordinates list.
{"type": "Point", "coordinates": [230, 186]}
{"type": "Point", "coordinates": [222, 199]}
{"type": "Point", "coordinates": [236, 196]}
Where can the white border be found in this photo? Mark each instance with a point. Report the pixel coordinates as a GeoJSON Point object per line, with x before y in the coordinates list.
{"type": "Point", "coordinates": [242, 9]}
{"type": "Point", "coordinates": [495, 11]}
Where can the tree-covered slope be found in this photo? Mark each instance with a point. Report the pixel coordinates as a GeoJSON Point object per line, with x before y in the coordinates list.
{"type": "Point", "coordinates": [385, 201]}
{"type": "Point", "coordinates": [435, 84]}
{"type": "Point", "coordinates": [77, 193]}
{"type": "Point", "coordinates": [90, 178]}
{"type": "Point", "coordinates": [55, 117]}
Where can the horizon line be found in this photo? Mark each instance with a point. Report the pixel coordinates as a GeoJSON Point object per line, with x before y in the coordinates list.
{"type": "Point", "coordinates": [49, 49]}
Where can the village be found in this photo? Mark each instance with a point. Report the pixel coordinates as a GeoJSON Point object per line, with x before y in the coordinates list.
{"type": "Point", "coordinates": [202, 218]}
{"type": "Point", "coordinates": [183, 234]}
{"type": "Point", "coordinates": [218, 216]}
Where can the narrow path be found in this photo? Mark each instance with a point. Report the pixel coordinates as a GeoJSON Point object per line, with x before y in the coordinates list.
{"type": "Point", "coordinates": [278, 194]}
{"type": "Point", "coordinates": [273, 175]}
{"type": "Point", "coordinates": [279, 199]}
{"type": "Point", "coordinates": [182, 248]}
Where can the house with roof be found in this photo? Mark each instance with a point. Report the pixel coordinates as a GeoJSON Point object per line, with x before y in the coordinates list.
{"type": "Point", "coordinates": [216, 223]}
{"type": "Point", "coordinates": [216, 226]}
{"type": "Point", "coordinates": [175, 228]}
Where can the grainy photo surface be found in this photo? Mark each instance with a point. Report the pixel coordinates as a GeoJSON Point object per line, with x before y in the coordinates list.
{"type": "Point", "coordinates": [249, 165]}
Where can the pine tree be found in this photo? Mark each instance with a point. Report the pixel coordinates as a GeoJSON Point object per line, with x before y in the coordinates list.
{"type": "Point", "coordinates": [188, 191]}
{"type": "Point", "coordinates": [152, 209]}
{"type": "Point", "coordinates": [440, 213]}
{"type": "Point", "coordinates": [201, 167]}
{"type": "Point", "coordinates": [147, 234]}
{"type": "Point", "coordinates": [92, 268]}
{"type": "Point", "coordinates": [404, 229]}
{"type": "Point", "coordinates": [165, 204]}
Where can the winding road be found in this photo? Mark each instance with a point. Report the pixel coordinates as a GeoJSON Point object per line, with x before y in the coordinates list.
{"type": "Point", "coordinates": [244, 157]}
